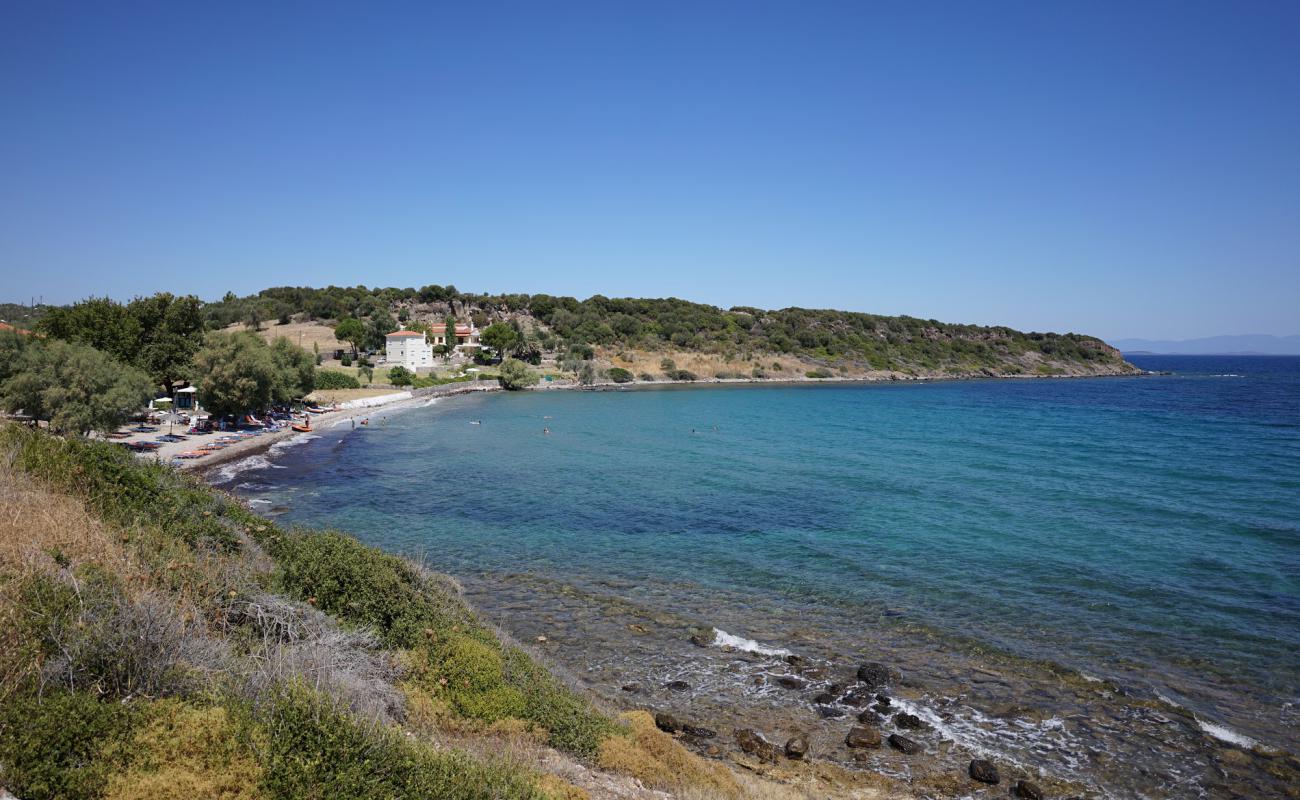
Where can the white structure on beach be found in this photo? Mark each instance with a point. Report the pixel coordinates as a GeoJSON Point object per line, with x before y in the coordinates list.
{"type": "Point", "coordinates": [408, 349]}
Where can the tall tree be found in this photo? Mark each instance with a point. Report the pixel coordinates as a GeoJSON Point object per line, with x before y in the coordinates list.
{"type": "Point", "coordinates": [350, 330]}
{"type": "Point", "coordinates": [381, 324]}
{"type": "Point", "coordinates": [235, 373]}
{"type": "Point", "coordinates": [74, 387]}
{"type": "Point", "coordinates": [100, 322]}
{"type": "Point", "coordinates": [501, 338]}
{"type": "Point", "coordinates": [171, 332]}
{"type": "Point", "coordinates": [295, 371]}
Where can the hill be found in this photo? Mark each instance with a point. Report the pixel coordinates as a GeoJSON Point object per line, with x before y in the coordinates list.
{"type": "Point", "coordinates": [736, 342]}
{"type": "Point", "coordinates": [1247, 344]}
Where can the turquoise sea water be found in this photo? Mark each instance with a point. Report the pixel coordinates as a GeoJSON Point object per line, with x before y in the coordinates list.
{"type": "Point", "coordinates": [1142, 530]}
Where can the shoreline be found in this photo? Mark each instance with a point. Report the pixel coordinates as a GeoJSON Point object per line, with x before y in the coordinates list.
{"type": "Point", "coordinates": [259, 444]}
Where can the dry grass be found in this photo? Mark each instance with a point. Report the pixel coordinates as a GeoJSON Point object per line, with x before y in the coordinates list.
{"type": "Point", "coordinates": [344, 395]}
{"type": "Point", "coordinates": [657, 760]}
{"type": "Point", "coordinates": [188, 753]}
{"type": "Point", "coordinates": [301, 333]}
{"type": "Point", "coordinates": [704, 365]}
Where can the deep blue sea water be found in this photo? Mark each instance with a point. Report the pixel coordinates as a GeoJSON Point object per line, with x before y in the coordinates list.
{"type": "Point", "coordinates": [1145, 529]}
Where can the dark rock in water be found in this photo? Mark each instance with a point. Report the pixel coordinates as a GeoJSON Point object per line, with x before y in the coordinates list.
{"type": "Point", "coordinates": [1028, 790]}
{"type": "Point", "coordinates": [667, 723]}
{"type": "Point", "coordinates": [984, 772]}
{"type": "Point", "coordinates": [704, 639]}
{"type": "Point", "coordinates": [793, 660]}
{"type": "Point", "coordinates": [883, 699]}
{"type": "Point", "coordinates": [796, 748]}
{"type": "Point", "coordinates": [909, 722]}
{"type": "Point", "coordinates": [873, 675]}
{"type": "Point", "coordinates": [698, 732]}
{"type": "Point", "coordinates": [870, 718]}
{"type": "Point", "coordinates": [634, 688]}
{"type": "Point", "coordinates": [860, 737]}
{"type": "Point", "coordinates": [831, 712]}
{"type": "Point", "coordinates": [835, 688]}
{"type": "Point", "coordinates": [904, 744]}
{"type": "Point", "coordinates": [790, 682]}
{"type": "Point", "coordinates": [856, 697]}
{"type": "Point", "coordinates": [677, 686]}
{"type": "Point", "coordinates": [824, 699]}
{"type": "Point", "coordinates": [880, 708]}
{"type": "Point", "coordinates": [752, 742]}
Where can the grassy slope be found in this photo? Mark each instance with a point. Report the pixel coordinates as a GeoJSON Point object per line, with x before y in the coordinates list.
{"type": "Point", "coordinates": [158, 640]}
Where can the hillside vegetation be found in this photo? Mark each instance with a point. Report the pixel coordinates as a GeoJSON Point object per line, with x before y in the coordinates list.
{"type": "Point", "coordinates": [157, 640]}
{"type": "Point", "coordinates": [860, 342]}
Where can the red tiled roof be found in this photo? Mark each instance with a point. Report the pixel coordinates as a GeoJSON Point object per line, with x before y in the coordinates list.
{"type": "Point", "coordinates": [461, 330]}
{"type": "Point", "coordinates": [405, 333]}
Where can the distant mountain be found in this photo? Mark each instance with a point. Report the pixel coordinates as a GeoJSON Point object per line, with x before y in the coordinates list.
{"type": "Point", "coordinates": [1247, 344]}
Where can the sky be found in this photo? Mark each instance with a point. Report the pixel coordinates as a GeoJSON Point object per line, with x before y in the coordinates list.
{"type": "Point", "coordinates": [1113, 168]}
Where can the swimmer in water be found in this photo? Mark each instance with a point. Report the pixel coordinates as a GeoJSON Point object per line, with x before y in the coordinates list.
{"type": "Point", "coordinates": [546, 431]}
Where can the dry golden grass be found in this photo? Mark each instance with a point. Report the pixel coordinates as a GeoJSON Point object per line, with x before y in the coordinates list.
{"type": "Point", "coordinates": [188, 753]}
{"type": "Point", "coordinates": [344, 395]}
{"type": "Point", "coordinates": [705, 365]}
{"type": "Point", "coordinates": [657, 760]}
{"type": "Point", "coordinates": [300, 333]}
{"type": "Point", "coordinates": [556, 788]}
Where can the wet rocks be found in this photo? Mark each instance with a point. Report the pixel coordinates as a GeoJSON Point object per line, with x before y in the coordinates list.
{"type": "Point", "coordinates": [667, 723]}
{"type": "Point", "coordinates": [632, 688]}
{"type": "Point", "coordinates": [796, 747]}
{"type": "Point", "coordinates": [704, 638]}
{"type": "Point", "coordinates": [752, 742]}
{"type": "Point", "coordinates": [697, 732]}
{"type": "Point", "coordinates": [857, 697]}
{"type": "Point", "coordinates": [862, 737]}
{"type": "Point", "coordinates": [870, 718]}
{"type": "Point", "coordinates": [909, 722]}
{"type": "Point", "coordinates": [1028, 790]}
{"type": "Point", "coordinates": [984, 771]}
{"type": "Point", "coordinates": [873, 675]}
{"type": "Point", "coordinates": [824, 699]}
{"type": "Point", "coordinates": [677, 686]}
{"type": "Point", "coordinates": [831, 712]}
{"type": "Point", "coordinates": [790, 682]}
{"type": "Point", "coordinates": [904, 744]}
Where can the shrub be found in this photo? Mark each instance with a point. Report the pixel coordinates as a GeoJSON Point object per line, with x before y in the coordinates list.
{"type": "Point", "coordinates": [758, 373]}
{"type": "Point", "coordinates": [820, 373]}
{"type": "Point", "coordinates": [724, 375]}
{"type": "Point", "coordinates": [400, 376]}
{"type": "Point", "coordinates": [658, 761]}
{"type": "Point", "coordinates": [680, 375]}
{"type": "Point", "coordinates": [333, 379]}
{"type": "Point", "coordinates": [346, 360]}
{"type": "Point", "coordinates": [619, 375]}
{"type": "Point", "coordinates": [314, 749]}
{"type": "Point", "coordinates": [647, 377]}
{"type": "Point", "coordinates": [63, 746]}
{"type": "Point", "coordinates": [515, 374]}
{"type": "Point", "coordinates": [667, 365]}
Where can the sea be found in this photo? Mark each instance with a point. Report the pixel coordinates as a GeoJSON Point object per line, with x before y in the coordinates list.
{"type": "Point", "coordinates": [1093, 582]}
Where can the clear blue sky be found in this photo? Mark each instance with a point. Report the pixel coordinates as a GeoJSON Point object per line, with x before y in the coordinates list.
{"type": "Point", "coordinates": [1117, 168]}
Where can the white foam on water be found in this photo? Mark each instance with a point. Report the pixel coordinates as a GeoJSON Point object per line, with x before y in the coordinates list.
{"type": "Point", "coordinates": [1225, 734]}
{"type": "Point", "coordinates": [228, 472]}
{"type": "Point", "coordinates": [723, 639]}
{"type": "Point", "coordinates": [293, 441]}
{"type": "Point", "coordinates": [369, 402]}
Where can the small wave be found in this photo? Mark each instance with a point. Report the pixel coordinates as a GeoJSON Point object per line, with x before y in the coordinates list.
{"type": "Point", "coordinates": [723, 639]}
{"type": "Point", "coordinates": [259, 501]}
{"type": "Point", "coordinates": [1226, 734]}
{"type": "Point", "coordinates": [228, 472]}
{"type": "Point", "coordinates": [293, 441]}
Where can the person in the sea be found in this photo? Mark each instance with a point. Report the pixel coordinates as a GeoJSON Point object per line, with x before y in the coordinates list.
{"type": "Point", "coordinates": [546, 431]}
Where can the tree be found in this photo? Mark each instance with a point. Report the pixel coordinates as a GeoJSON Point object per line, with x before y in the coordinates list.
{"type": "Point", "coordinates": [73, 387]}
{"type": "Point", "coordinates": [619, 375]}
{"type": "Point", "coordinates": [99, 322]}
{"type": "Point", "coordinates": [253, 316]}
{"type": "Point", "coordinates": [400, 376]}
{"type": "Point", "coordinates": [515, 374]}
{"type": "Point", "coordinates": [500, 337]}
{"type": "Point", "coordinates": [351, 331]}
{"type": "Point", "coordinates": [381, 324]}
{"type": "Point", "coordinates": [235, 373]}
{"type": "Point", "coordinates": [171, 331]}
{"type": "Point", "coordinates": [295, 371]}
{"type": "Point", "coordinates": [367, 373]}
{"type": "Point", "coordinates": [449, 334]}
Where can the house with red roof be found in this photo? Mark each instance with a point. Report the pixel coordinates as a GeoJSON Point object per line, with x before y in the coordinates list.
{"type": "Point", "coordinates": [410, 349]}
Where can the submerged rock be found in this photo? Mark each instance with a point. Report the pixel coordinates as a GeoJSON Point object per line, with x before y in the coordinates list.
{"type": "Point", "coordinates": [904, 744]}
{"type": "Point", "coordinates": [634, 688]}
{"type": "Point", "coordinates": [796, 747]}
{"type": "Point", "coordinates": [824, 699]}
{"type": "Point", "coordinates": [704, 639]}
{"type": "Point", "coordinates": [752, 742]}
{"type": "Point", "coordinates": [831, 712]}
{"type": "Point", "coordinates": [790, 682]}
{"type": "Point", "coordinates": [873, 675]}
{"type": "Point", "coordinates": [698, 732]}
{"type": "Point", "coordinates": [857, 697]}
{"type": "Point", "coordinates": [860, 737]}
{"type": "Point", "coordinates": [984, 771]}
{"type": "Point", "coordinates": [869, 717]}
{"type": "Point", "coordinates": [1028, 790]}
{"type": "Point", "coordinates": [677, 686]}
{"type": "Point", "coordinates": [909, 722]}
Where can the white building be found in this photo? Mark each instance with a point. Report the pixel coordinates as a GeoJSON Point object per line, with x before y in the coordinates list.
{"type": "Point", "coordinates": [466, 335]}
{"type": "Point", "coordinates": [408, 349]}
